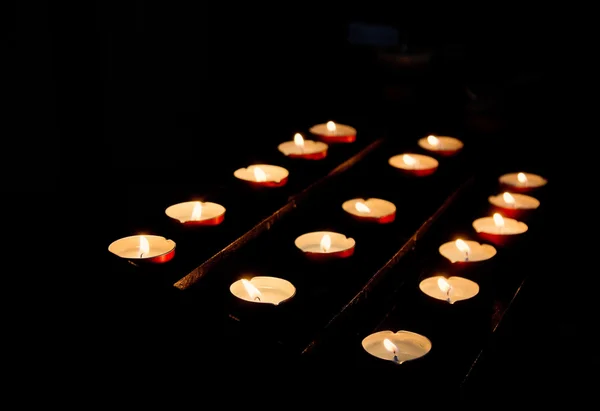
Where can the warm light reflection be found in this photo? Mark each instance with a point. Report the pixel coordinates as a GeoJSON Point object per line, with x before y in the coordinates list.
{"type": "Point", "coordinates": [522, 178]}
{"type": "Point", "coordinates": [433, 140]}
{"type": "Point", "coordinates": [362, 207]}
{"type": "Point", "coordinates": [298, 140]}
{"type": "Point", "coordinates": [331, 126]}
{"type": "Point", "coordinates": [498, 220]}
{"type": "Point", "coordinates": [326, 243]}
{"type": "Point", "coordinates": [144, 246]}
{"type": "Point", "coordinates": [252, 291]}
{"type": "Point", "coordinates": [409, 160]}
{"type": "Point", "coordinates": [390, 346]}
{"type": "Point", "coordinates": [197, 211]}
{"type": "Point", "coordinates": [509, 199]}
{"type": "Point", "coordinates": [259, 174]}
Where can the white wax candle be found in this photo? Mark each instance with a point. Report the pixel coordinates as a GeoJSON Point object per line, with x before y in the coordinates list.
{"type": "Point", "coordinates": [261, 289]}
{"type": "Point", "coordinates": [523, 180]}
{"type": "Point", "coordinates": [476, 251]}
{"type": "Point", "coordinates": [515, 201]}
{"type": "Point", "coordinates": [499, 225]}
{"type": "Point", "coordinates": [372, 207]}
{"type": "Point", "coordinates": [410, 161]}
{"type": "Point", "coordinates": [262, 173]}
{"type": "Point", "coordinates": [440, 143]}
{"type": "Point", "coordinates": [310, 147]}
{"type": "Point", "coordinates": [314, 242]}
{"type": "Point", "coordinates": [137, 248]}
{"type": "Point", "coordinates": [459, 288]}
{"type": "Point", "coordinates": [194, 211]}
{"type": "Point", "coordinates": [401, 346]}
{"type": "Point", "coordinates": [332, 129]}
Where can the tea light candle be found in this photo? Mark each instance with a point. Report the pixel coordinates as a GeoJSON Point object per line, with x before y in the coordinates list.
{"type": "Point", "coordinates": [466, 251]}
{"type": "Point", "coordinates": [371, 210]}
{"type": "Point", "coordinates": [514, 205]}
{"type": "Point", "coordinates": [522, 182]}
{"type": "Point", "coordinates": [144, 248]}
{"type": "Point", "coordinates": [306, 149]}
{"type": "Point", "coordinates": [263, 290]}
{"type": "Point", "coordinates": [195, 213]}
{"type": "Point", "coordinates": [451, 289]}
{"type": "Point", "coordinates": [497, 229]}
{"type": "Point", "coordinates": [331, 132]}
{"type": "Point", "coordinates": [263, 175]}
{"type": "Point", "coordinates": [397, 347]}
{"type": "Point", "coordinates": [325, 245]}
{"type": "Point", "coordinates": [442, 145]}
{"type": "Point", "coordinates": [414, 164]}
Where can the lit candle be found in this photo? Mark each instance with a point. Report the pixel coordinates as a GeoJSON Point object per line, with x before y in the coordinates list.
{"type": "Point", "coordinates": [331, 132]}
{"type": "Point", "coordinates": [371, 210]}
{"type": "Point", "coordinates": [442, 145]}
{"type": "Point", "coordinates": [497, 229]}
{"type": "Point", "coordinates": [414, 164]}
{"type": "Point", "coordinates": [514, 205]}
{"type": "Point", "coordinates": [263, 175]}
{"type": "Point", "coordinates": [325, 245]}
{"type": "Point", "coordinates": [522, 182]}
{"type": "Point", "coordinates": [265, 290]}
{"type": "Point", "coordinates": [466, 251]}
{"type": "Point", "coordinates": [451, 289]}
{"type": "Point", "coordinates": [196, 213]}
{"type": "Point", "coordinates": [144, 248]}
{"type": "Point", "coordinates": [397, 347]}
{"type": "Point", "coordinates": [306, 149]}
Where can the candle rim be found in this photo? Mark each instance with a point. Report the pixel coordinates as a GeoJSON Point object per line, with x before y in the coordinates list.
{"type": "Point", "coordinates": [376, 338]}
{"type": "Point", "coordinates": [424, 143]}
{"type": "Point", "coordinates": [348, 206]}
{"type": "Point", "coordinates": [205, 204]}
{"type": "Point", "coordinates": [336, 238]}
{"type": "Point", "coordinates": [249, 170]}
{"type": "Point", "coordinates": [473, 245]}
{"type": "Point", "coordinates": [396, 160]}
{"type": "Point", "coordinates": [481, 220]}
{"type": "Point", "coordinates": [288, 285]}
{"type": "Point", "coordinates": [150, 237]}
{"type": "Point", "coordinates": [290, 147]}
{"type": "Point", "coordinates": [453, 278]}
{"type": "Point", "coordinates": [524, 197]}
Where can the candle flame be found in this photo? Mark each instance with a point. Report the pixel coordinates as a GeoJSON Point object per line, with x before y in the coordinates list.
{"type": "Point", "coordinates": [462, 246]}
{"type": "Point", "coordinates": [326, 243]}
{"type": "Point", "coordinates": [252, 291]}
{"type": "Point", "coordinates": [197, 211]}
{"type": "Point", "coordinates": [522, 178]}
{"type": "Point", "coordinates": [362, 207]}
{"type": "Point", "coordinates": [409, 160]}
{"type": "Point", "coordinates": [508, 199]}
{"type": "Point", "coordinates": [444, 285]}
{"type": "Point", "coordinates": [498, 220]}
{"type": "Point", "coordinates": [144, 246]}
{"type": "Point", "coordinates": [331, 126]}
{"type": "Point", "coordinates": [259, 174]}
{"type": "Point", "coordinates": [433, 140]}
{"type": "Point", "coordinates": [298, 140]}
{"type": "Point", "coordinates": [390, 346]}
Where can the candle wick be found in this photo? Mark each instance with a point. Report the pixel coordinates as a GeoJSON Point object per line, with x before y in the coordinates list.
{"type": "Point", "coordinates": [448, 295]}
{"type": "Point", "coordinates": [257, 298]}
{"type": "Point", "coordinates": [396, 358]}
{"type": "Point", "coordinates": [141, 255]}
{"type": "Point", "coordinates": [466, 256]}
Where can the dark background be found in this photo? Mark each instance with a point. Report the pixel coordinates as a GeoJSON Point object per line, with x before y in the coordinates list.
{"type": "Point", "coordinates": [101, 93]}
